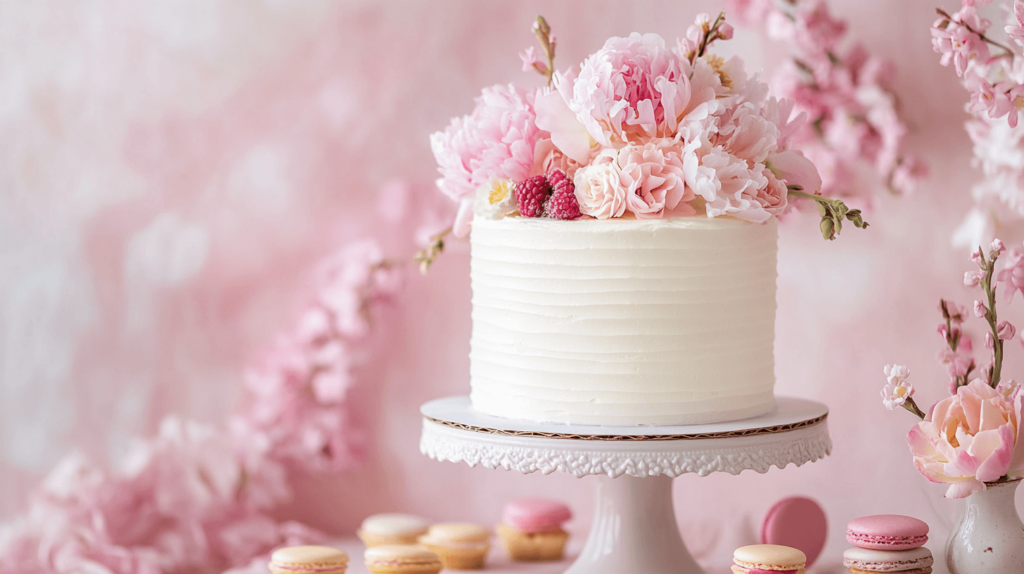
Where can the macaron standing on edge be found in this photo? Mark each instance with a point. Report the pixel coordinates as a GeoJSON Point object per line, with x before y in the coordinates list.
{"type": "Point", "coordinates": [798, 522]}
{"type": "Point", "coordinates": [391, 529]}
{"type": "Point", "coordinates": [401, 559]}
{"type": "Point", "coordinates": [297, 559]}
{"type": "Point", "coordinates": [887, 532]}
{"type": "Point", "coordinates": [759, 558]}
{"type": "Point", "coordinates": [531, 529]}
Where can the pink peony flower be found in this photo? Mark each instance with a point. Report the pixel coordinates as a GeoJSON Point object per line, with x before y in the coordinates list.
{"type": "Point", "coordinates": [600, 190]}
{"type": "Point", "coordinates": [969, 439]}
{"type": "Point", "coordinates": [550, 158]}
{"type": "Point", "coordinates": [1012, 275]}
{"type": "Point", "coordinates": [630, 89]}
{"type": "Point", "coordinates": [653, 176]}
{"type": "Point", "coordinates": [726, 183]}
{"type": "Point", "coordinates": [497, 140]}
{"type": "Point", "coordinates": [897, 390]}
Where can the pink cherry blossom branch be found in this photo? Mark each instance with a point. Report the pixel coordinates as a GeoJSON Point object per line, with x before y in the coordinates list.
{"type": "Point", "coordinates": [1007, 52]}
{"type": "Point", "coordinates": [988, 313]}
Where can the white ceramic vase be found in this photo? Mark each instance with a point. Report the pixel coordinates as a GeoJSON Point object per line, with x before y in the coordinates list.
{"type": "Point", "coordinates": [989, 538]}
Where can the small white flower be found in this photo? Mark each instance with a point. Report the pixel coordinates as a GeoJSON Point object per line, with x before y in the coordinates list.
{"type": "Point", "coordinates": [495, 199]}
{"type": "Point", "coordinates": [1008, 388]}
{"type": "Point", "coordinates": [897, 390]}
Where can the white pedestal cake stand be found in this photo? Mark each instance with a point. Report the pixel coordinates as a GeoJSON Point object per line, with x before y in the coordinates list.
{"type": "Point", "coordinates": [634, 528]}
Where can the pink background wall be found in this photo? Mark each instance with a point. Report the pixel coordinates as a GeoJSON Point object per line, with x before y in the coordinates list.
{"type": "Point", "coordinates": [168, 170]}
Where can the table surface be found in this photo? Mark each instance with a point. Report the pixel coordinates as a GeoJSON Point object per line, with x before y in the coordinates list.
{"type": "Point", "coordinates": [499, 563]}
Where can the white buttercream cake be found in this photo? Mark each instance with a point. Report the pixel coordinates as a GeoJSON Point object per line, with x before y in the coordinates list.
{"type": "Point", "coordinates": [623, 321]}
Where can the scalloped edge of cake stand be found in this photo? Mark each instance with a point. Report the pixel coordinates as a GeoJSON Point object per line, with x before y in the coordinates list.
{"type": "Point", "coordinates": [634, 527]}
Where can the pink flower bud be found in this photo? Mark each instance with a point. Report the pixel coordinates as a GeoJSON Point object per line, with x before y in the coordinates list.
{"type": "Point", "coordinates": [980, 309]}
{"type": "Point", "coordinates": [990, 343]}
{"type": "Point", "coordinates": [725, 31]}
{"type": "Point", "coordinates": [1006, 330]}
{"type": "Point", "coordinates": [942, 330]}
{"type": "Point", "coordinates": [997, 246]}
{"type": "Point", "coordinates": [976, 258]}
{"type": "Point", "coordinates": [972, 278]}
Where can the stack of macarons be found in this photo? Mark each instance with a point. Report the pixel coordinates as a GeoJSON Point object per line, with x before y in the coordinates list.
{"type": "Point", "coordinates": [887, 543]}
{"type": "Point", "coordinates": [768, 559]}
{"type": "Point", "coordinates": [531, 529]}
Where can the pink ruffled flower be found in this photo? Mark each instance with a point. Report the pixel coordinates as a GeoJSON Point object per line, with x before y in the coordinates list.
{"type": "Point", "coordinates": [726, 183]}
{"type": "Point", "coordinates": [497, 140]}
{"type": "Point", "coordinates": [654, 179]}
{"type": "Point", "coordinates": [632, 88]}
{"type": "Point", "coordinates": [1012, 275]}
{"type": "Point", "coordinates": [969, 439]}
{"type": "Point", "coordinates": [600, 190]}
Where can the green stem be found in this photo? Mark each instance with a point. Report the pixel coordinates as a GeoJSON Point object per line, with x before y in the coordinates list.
{"type": "Point", "coordinates": [911, 406]}
{"type": "Point", "coordinates": [990, 316]}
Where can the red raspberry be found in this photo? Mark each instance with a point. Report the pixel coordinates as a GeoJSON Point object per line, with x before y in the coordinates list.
{"type": "Point", "coordinates": [531, 194]}
{"type": "Point", "coordinates": [563, 204]}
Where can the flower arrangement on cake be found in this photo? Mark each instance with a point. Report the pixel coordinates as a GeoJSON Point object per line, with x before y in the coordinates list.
{"type": "Point", "coordinates": [992, 72]}
{"type": "Point", "coordinates": [974, 436]}
{"type": "Point", "coordinates": [639, 130]}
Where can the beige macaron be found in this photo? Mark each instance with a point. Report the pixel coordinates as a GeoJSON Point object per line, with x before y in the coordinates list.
{"type": "Point", "coordinates": [401, 559]}
{"type": "Point", "coordinates": [319, 559]}
{"type": "Point", "coordinates": [391, 529]}
{"type": "Point", "coordinates": [461, 546]}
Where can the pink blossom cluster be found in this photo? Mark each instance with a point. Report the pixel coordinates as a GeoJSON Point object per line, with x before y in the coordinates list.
{"type": "Point", "coordinates": [990, 70]}
{"type": "Point", "coordinates": [643, 129]}
{"type": "Point", "coordinates": [974, 436]}
{"type": "Point", "coordinates": [198, 498]}
{"type": "Point", "coordinates": [855, 133]}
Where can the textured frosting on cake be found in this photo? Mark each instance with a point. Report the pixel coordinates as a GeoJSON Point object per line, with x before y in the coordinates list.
{"type": "Point", "coordinates": [623, 322]}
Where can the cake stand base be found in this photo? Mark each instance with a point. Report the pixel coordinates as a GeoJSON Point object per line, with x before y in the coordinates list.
{"type": "Point", "coordinates": [634, 528]}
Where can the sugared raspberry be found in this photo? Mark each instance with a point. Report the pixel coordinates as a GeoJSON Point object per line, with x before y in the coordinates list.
{"type": "Point", "coordinates": [563, 204]}
{"type": "Point", "coordinates": [557, 176]}
{"type": "Point", "coordinates": [531, 194]}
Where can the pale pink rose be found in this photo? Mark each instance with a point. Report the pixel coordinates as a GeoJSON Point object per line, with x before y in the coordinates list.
{"type": "Point", "coordinates": [497, 140]}
{"type": "Point", "coordinates": [600, 190]}
{"type": "Point", "coordinates": [632, 88]}
{"type": "Point", "coordinates": [969, 439]}
{"type": "Point", "coordinates": [550, 158]}
{"type": "Point", "coordinates": [653, 176]}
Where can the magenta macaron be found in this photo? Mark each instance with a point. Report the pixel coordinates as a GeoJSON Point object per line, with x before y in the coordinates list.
{"type": "Point", "coordinates": [887, 532]}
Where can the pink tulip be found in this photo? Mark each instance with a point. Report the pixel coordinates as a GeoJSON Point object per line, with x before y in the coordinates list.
{"type": "Point", "coordinates": [969, 439]}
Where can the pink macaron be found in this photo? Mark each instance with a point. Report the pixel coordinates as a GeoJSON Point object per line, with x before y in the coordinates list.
{"type": "Point", "coordinates": [534, 515]}
{"type": "Point", "coordinates": [797, 522]}
{"type": "Point", "coordinates": [887, 532]}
